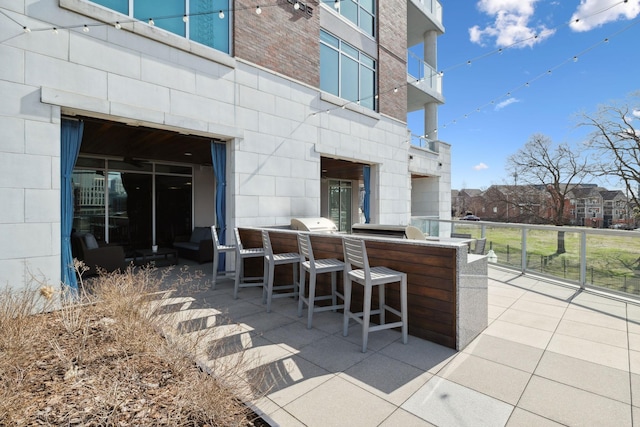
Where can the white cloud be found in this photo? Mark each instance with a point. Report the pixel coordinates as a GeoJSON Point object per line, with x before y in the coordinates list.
{"type": "Point", "coordinates": [636, 113]}
{"type": "Point", "coordinates": [595, 13]}
{"type": "Point", "coordinates": [511, 24]}
{"type": "Point", "coordinates": [506, 103]}
{"type": "Point", "coordinates": [480, 166]}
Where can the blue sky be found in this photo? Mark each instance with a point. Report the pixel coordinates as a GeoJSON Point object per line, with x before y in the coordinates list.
{"type": "Point", "coordinates": [603, 72]}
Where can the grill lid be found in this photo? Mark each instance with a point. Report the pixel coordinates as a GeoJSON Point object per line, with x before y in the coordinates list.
{"type": "Point", "coordinates": [318, 224]}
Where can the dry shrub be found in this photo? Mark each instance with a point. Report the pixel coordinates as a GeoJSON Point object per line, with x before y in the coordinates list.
{"type": "Point", "coordinates": [104, 358]}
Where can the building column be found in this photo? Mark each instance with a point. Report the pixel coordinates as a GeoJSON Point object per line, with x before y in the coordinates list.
{"type": "Point", "coordinates": [430, 45]}
{"type": "Point", "coordinates": [431, 120]}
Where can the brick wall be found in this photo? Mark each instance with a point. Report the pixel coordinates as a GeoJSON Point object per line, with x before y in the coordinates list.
{"type": "Point", "coordinates": [281, 39]}
{"type": "Point", "coordinates": [392, 53]}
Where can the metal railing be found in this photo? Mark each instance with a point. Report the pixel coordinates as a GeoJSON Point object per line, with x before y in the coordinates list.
{"type": "Point", "coordinates": [596, 258]}
{"type": "Point", "coordinates": [425, 76]}
{"type": "Point", "coordinates": [422, 142]}
{"type": "Point", "coordinates": [432, 6]}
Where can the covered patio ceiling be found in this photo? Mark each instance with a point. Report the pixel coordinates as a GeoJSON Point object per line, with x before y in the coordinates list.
{"type": "Point", "coordinates": [114, 139]}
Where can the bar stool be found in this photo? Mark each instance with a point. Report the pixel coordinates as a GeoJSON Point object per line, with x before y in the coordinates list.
{"type": "Point", "coordinates": [270, 262]}
{"type": "Point", "coordinates": [217, 249]}
{"type": "Point", "coordinates": [241, 255]}
{"type": "Point", "coordinates": [308, 263]}
{"type": "Point", "coordinates": [355, 255]}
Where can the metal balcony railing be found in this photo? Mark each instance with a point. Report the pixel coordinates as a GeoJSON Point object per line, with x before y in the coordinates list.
{"type": "Point", "coordinates": [422, 142]}
{"type": "Point", "coordinates": [608, 260]}
{"type": "Point", "coordinates": [425, 76]}
{"type": "Point", "coordinates": [432, 6]}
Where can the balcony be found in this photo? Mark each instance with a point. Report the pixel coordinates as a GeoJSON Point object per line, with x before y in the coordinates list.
{"type": "Point", "coordinates": [424, 83]}
{"type": "Point", "coordinates": [423, 16]}
{"type": "Point", "coordinates": [422, 142]}
{"type": "Point", "coordinates": [552, 353]}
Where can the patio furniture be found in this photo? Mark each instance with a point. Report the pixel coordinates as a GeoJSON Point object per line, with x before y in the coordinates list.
{"type": "Point", "coordinates": [199, 247]}
{"type": "Point", "coordinates": [241, 255]}
{"type": "Point", "coordinates": [161, 256]}
{"type": "Point", "coordinates": [480, 245]}
{"type": "Point", "coordinates": [308, 263]}
{"type": "Point", "coordinates": [96, 256]}
{"type": "Point", "coordinates": [217, 249]}
{"type": "Point", "coordinates": [414, 233]}
{"type": "Point", "coordinates": [270, 261]}
{"type": "Point", "coordinates": [355, 255]}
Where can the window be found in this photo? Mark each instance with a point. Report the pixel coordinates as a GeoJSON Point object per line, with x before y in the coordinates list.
{"type": "Point", "coordinates": [203, 25]}
{"type": "Point", "coordinates": [360, 12]}
{"type": "Point", "coordinates": [346, 72]}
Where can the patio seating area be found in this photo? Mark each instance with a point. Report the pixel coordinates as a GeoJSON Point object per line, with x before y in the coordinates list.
{"type": "Point", "coordinates": [551, 355]}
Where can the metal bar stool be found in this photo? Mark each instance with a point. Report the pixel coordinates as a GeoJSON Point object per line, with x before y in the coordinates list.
{"type": "Point", "coordinates": [217, 249]}
{"type": "Point", "coordinates": [270, 262]}
{"type": "Point", "coordinates": [308, 263]}
{"type": "Point", "coordinates": [241, 255]}
{"type": "Point", "coordinates": [355, 255]}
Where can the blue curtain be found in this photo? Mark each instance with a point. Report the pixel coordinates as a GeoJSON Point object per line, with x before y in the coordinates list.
{"type": "Point", "coordinates": [70, 140]}
{"type": "Point", "coordinates": [366, 172]}
{"type": "Point", "coordinates": [219, 159]}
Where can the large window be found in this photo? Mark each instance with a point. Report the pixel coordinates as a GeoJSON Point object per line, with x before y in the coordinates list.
{"type": "Point", "coordinates": [360, 12]}
{"type": "Point", "coordinates": [346, 72]}
{"type": "Point", "coordinates": [197, 20]}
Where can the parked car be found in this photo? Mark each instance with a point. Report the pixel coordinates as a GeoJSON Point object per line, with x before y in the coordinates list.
{"type": "Point", "coordinates": [470, 217]}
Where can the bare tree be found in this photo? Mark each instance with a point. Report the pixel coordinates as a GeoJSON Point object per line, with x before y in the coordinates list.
{"type": "Point", "coordinates": [554, 170]}
{"type": "Point", "coordinates": [616, 139]}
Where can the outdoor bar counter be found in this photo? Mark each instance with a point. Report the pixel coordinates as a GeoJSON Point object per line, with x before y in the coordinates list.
{"type": "Point", "coordinates": [447, 287]}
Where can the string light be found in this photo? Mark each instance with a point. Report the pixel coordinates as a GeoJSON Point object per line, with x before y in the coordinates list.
{"type": "Point", "coordinates": [297, 6]}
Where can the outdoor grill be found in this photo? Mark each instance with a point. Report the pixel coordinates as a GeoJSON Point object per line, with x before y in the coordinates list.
{"type": "Point", "coordinates": [317, 225]}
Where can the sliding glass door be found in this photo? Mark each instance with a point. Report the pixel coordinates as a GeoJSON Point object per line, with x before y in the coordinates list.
{"type": "Point", "coordinates": [340, 204]}
{"type": "Point", "coordinates": [134, 205]}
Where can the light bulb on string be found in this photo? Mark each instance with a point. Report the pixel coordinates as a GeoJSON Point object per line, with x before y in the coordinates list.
{"type": "Point", "coordinates": [575, 59]}
{"type": "Point", "coordinates": [336, 4]}
{"type": "Point", "coordinates": [258, 10]}
{"type": "Point", "coordinates": [185, 19]}
{"type": "Point", "coordinates": [26, 29]}
{"type": "Point", "coordinates": [151, 22]}
{"type": "Point", "coordinates": [221, 15]}
{"type": "Point", "coordinates": [85, 28]}
{"type": "Point", "coordinates": [55, 30]}
{"type": "Point", "coordinates": [296, 6]}
{"type": "Point", "coordinates": [117, 25]}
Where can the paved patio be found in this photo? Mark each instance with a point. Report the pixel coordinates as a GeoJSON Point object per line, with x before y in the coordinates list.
{"type": "Point", "coordinates": [552, 355]}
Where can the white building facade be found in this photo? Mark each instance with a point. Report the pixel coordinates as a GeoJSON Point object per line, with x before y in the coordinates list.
{"type": "Point", "coordinates": [299, 140]}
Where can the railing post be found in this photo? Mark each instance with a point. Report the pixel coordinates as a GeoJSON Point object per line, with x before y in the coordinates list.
{"type": "Point", "coordinates": [524, 250]}
{"type": "Point", "coordinates": [583, 259]}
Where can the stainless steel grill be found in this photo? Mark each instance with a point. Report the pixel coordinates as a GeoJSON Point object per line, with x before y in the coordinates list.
{"type": "Point", "coordinates": [318, 225]}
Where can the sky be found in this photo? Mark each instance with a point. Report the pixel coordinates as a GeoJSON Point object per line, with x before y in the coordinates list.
{"type": "Point", "coordinates": [514, 68]}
